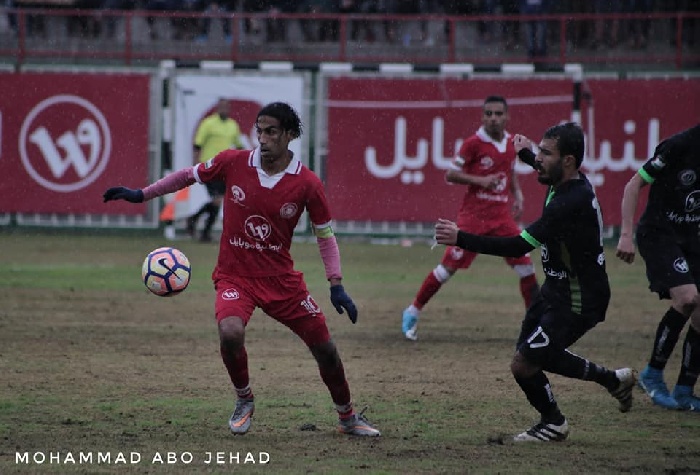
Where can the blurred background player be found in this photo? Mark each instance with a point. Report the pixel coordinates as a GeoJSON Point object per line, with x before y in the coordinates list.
{"type": "Point", "coordinates": [668, 236]}
{"type": "Point", "coordinates": [486, 165]}
{"type": "Point", "coordinates": [215, 133]}
{"type": "Point", "coordinates": [576, 291]}
{"type": "Point", "coordinates": [267, 190]}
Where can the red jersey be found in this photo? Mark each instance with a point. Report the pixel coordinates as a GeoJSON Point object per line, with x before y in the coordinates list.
{"type": "Point", "coordinates": [480, 155]}
{"type": "Point", "coordinates": [261, 212]}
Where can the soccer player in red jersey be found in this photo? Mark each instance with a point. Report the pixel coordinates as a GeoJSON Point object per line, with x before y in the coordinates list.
{"type": "Point", "coordinates": [267, 190]}
{"type": "Point", "coordinates": [485, 164]}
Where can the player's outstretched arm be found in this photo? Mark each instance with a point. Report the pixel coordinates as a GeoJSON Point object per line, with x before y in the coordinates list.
{"type": "Point", "coordinates": [168, 184]}
{"type": "Point", "coordinates": [123, 193]}
{"type": "Point", "coordinates": [447, 232]}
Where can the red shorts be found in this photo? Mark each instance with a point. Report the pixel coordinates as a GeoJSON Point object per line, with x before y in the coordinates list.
{"type": "Point", "coordinates": [285, 298]}
{"type": "Point", "coordinates": [458, 258]}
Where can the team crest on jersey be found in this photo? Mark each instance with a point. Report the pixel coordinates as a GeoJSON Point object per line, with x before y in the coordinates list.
{"type": "Point", "coordinates": [692, 201]}
{"type": "Point", "coordinates": [687, 177]}
{"type": "Point", "coordinates": [230, 294]}
{"type": "Point", "coordinates": [544, 252]}
{"type": "Point", "coordinates": [288, 210]}
{"type": "Point", "coordinates": [457, 253]}
{"type": "Point", "coordinates": [310, 305]}
{"type": "Point", "coordinates": [486, 162]}
{"type": "Point", "coordinates": [658, 162]}
{"type": "Point", "coordinates": [681, 265]}
{"type": "Point", "coordinates": [237, 194]}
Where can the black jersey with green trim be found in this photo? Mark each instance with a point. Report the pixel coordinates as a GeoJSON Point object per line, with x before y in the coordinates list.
{"type": "Point", "coordinates": [674, 196]}
{"type": "Point", "coordinates": [573, 261]}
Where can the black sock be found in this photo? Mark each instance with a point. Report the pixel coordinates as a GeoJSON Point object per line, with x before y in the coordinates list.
{"type": "Point", "coordinates": [539, 393]}
{"type": "Point", "coordinates": [667, 335]}
{"type": "Point", "coordinates": [573, 366]}
{"type": "Point", "coordinates": [690, 364]}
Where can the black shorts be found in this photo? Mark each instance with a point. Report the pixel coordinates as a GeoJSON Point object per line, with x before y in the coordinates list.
{"type": "Point", "coordinates": [669, 263]}
{"type": "Point", "coordinates": [547, 331]}
{"type": "Point", "coordinates": [216, 189]}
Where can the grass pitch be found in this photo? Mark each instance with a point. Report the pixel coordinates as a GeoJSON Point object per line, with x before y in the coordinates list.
{"type": "Point", "coordinates": [94, 365]}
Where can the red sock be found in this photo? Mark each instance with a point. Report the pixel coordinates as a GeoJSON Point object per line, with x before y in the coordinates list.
{"type": "Point", "coordinates": [529, 289]}
{"type": "Point", "coordinates": [429, 288]}
{"type": "Point", "coordinates": [236, 363]}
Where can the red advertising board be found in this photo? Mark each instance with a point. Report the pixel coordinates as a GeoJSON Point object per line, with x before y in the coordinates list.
{"type": "Point", "coordinates": [391, 139]}
{"type": "Point", "coordinates": [67, 137]}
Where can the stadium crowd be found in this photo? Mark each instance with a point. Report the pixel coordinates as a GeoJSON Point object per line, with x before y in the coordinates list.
{"type": "Point", "coordinates": [267, 22]}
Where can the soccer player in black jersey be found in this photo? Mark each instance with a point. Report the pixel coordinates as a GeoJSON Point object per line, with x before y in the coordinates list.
{"type": "Point", "coordinates": [668, 236]}
{"type": "Point", "coordinates": [575, 293]}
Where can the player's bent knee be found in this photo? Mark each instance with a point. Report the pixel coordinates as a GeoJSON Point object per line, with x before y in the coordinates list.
{"type": "Point", "coordinates": [685, 299]}
{"type": "Point", "coordinates": [326, 354]}
{"type": "Point", "coordinates": [520, 367]}
{"type": "Point", "coordinates": [232, 331]}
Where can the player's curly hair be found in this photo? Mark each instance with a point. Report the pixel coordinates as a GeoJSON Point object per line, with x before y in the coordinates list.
{"type": "Point", "coordinates": [569, 137]}
{"type": "Point", "coordinates": [288, 117]}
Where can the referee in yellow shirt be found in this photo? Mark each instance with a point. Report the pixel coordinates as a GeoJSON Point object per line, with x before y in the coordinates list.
{"type": "Point", "coordinates": [216, 133]}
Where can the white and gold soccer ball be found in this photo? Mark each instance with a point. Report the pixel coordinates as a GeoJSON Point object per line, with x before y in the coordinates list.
{"type": "Point", "coordinates": [166, 271]}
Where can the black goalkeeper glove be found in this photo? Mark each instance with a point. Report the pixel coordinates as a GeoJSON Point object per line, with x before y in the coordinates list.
{"type": "Point", "coordinates": [342, 300]}
{"type": "Point", "coordinates": [122, 193]}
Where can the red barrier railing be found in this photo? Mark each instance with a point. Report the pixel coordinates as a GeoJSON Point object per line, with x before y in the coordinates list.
{"type": "Point", "coordinates": [658, 40]}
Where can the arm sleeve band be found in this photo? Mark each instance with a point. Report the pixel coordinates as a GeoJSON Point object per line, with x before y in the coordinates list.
{"type": "Point", "coordinates": [330, 254]}
{"type": "Point", "coordinates": [169, 184]}
{"type": "Point", "coordinates": [514, 246]}
{"type": "Point", "coordinates": [527, 156]}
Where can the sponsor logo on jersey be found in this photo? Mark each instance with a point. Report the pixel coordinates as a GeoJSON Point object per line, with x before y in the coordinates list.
{"type": "Point", "coordinates": [486, 162]}
{"type": "Point", "coordinates": [310, 305]}
{"type": "Point", "coordinates": [692, 201]}
{"type": "Point", "coordinates": [681, 265]}
{"type": "Point", "coordinates": [257, 227]}
{"type": "Point", "coordinates": [288, 210]}
{"type": "Point", "coordinates": [687, 177]}
{"type": "Point", "coordinates": [237, 194]}
{"type": "Point", "coordinates": [230, 294]}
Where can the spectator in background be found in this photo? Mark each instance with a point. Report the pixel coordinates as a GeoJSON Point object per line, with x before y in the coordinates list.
{"type": "Point", "coordinates": [319, 29]}
{"type": "Point", "coordinates": [535, 30]}
{"type": "Point", "coordinates": [159, 6]}
{"type": "Point", "coordinates": [457, 8]}
{"type": "Point", "coordinates": [216, 7]}
{"type": "Point", "coordinates": [511, 28]}
{"type": "Point", "coordinates": [611, 26]}
{"type": "Point", "coordinates": [277, 27]}
{"type": "Point", "coordinates": [109, 17]}
{"type": "Point", "coordinates": [11, 17]}
{"type": "Point", "coordinates": [638, 27]}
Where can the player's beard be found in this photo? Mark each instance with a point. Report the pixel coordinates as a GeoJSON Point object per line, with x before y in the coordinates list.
{"type": "Point", "coordinates": [553, 175]}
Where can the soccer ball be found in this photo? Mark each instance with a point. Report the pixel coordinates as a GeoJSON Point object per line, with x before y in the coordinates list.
{"type": "Point", "coordinates": [166, 271]}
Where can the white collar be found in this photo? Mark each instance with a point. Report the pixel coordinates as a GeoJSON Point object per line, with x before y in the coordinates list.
{"type": "Point", "coordinates": [255, 160]}
{"type": "Point", "coordinates": [500, 146]}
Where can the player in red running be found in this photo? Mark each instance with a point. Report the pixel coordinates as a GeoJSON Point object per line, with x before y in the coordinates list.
{"type": "Point", "coordinates": [485, 164]}
{"type": "Point", "coordinates": [267, 190]}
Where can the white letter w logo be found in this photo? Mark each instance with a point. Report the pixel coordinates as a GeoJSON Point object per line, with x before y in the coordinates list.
{"type": "Point", "coordinates": [88, 134]}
